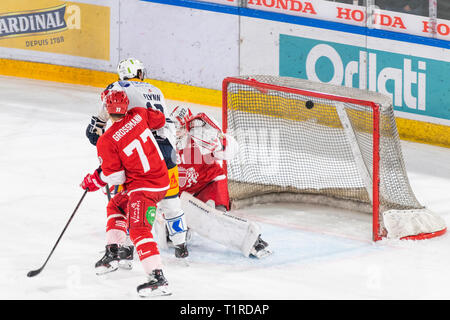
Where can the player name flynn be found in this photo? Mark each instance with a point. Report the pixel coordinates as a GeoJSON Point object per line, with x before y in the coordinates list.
{"type": "Point", "coordinates": [227, 309]}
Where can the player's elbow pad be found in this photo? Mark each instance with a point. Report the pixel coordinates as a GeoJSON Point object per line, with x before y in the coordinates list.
{"type": "Point", "coordinates": [115, 178]}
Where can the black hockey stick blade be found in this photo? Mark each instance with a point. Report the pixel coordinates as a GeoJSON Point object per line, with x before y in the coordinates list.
{"type": "Point", "coordinates": [33, 273]}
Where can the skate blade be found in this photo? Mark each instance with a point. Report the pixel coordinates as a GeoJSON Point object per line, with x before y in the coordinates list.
{"type": "Point", "coordinates": [262, 254]}
{"type": "Point", "coordinates": [149, 292]}
{"type": "Point", "coordinates": [184, 262]}
{"type": "Point", "coordinates": [102, 271]}
{"type": "Point", "coordinates": [126, 265]}
{"type": "Point", "coordinates": [105, 270]}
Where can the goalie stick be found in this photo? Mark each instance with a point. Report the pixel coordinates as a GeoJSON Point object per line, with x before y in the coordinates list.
{"type": "Point", "coordinates": [36, 272]}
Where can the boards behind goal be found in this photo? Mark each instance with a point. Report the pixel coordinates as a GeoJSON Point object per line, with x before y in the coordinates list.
{"type": "Point", "coordinates": [303, 141]}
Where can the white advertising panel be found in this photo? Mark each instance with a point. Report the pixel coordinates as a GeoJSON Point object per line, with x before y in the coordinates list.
{"type": "Point", "coordinates": [411, 73]}
{"type": "Point", "coordinates": [200, 42]}
{"type": "Point", "coordinates": [77, 33]}
{"type": "Point", "coordinates": [178, 44]}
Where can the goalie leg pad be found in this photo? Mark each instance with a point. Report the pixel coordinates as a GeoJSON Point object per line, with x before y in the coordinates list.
{"type": "Point", "coordinates": [221, 227]}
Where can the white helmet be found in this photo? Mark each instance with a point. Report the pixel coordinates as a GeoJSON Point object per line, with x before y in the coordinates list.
{"type": "Point", "coordinates": [179, 116]}
{"type": "Point", "coordinates": [128, 68]}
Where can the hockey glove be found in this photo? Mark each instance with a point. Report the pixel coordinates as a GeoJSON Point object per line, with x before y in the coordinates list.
{"type": "Point", "coordinates": [93, 182]}
{"type": "Point", "coordinates": [95, 129]}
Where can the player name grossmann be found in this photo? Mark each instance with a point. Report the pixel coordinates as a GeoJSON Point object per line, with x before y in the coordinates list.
{"type": "Point", "coordinates": [228, 309]}
{"type": "Point", "coordinates": [127, 127]}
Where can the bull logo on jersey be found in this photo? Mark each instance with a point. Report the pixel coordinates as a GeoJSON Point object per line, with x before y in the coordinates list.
{"type": "Point", "coordinates": [187, 177]}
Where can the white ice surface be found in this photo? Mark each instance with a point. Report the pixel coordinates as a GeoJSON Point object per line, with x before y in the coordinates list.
{"type": "Point", "coordinates": [319, 253]}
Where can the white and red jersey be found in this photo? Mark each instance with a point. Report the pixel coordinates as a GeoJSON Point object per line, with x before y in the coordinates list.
{"type": "Point", "coordinates": [140, 93]}
{"type": "Point", "coordinates": [129, 154]}
{"type": "Point", "coordinates": [145, 95]}
{"type": "Point", "coordinates": [197, 170]}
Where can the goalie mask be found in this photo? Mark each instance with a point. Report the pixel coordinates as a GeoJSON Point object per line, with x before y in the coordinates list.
{"type": "Point", "coordinates": [128, 69]}
{"type": "Point", "coordinates": [180, 115]}
{"type": "Point", "coordinates": [205, 132]}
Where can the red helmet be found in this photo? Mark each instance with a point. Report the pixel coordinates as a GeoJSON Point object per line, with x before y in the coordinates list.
{"type": "Point", "coordinates": [117, 102]}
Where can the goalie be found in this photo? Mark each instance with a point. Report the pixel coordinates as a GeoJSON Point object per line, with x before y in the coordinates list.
{"type": "Point", "coordinates": [201, 146]}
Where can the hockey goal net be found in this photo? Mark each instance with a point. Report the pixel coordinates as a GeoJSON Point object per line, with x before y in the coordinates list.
{"type": "Point", "coordinates": [303, 141]}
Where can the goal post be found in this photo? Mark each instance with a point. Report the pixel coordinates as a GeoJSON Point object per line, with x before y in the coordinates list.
{"type": "Point", "coordinates": [304, 141]}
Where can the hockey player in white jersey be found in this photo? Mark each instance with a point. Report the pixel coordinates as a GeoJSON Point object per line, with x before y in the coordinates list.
{"type": "Point", "coordinates": [142, 94]}
{"type": "Point", "coordinates": [201, 147]}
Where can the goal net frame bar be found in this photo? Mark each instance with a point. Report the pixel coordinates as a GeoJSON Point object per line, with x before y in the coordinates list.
{"type": "Point", "coordinates": [376, 234]}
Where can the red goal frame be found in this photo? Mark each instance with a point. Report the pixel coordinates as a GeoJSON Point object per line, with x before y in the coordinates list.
{"type": "Point", "coordinates": [376, 233]}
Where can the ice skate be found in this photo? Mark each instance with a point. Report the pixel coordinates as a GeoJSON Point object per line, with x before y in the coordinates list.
{"type": "Point", "coordinates": [157, 285]}
{"type": "Point", "coordinates": [181, 251]}
{"type": "Point", "coordinates": [126, 257]}
{"type": "Point", "coordinates": [260, 249]}
{"type": "Point", "coordinates": [115, 256]}
{"type": "Point", "coordinates": [110, 261]}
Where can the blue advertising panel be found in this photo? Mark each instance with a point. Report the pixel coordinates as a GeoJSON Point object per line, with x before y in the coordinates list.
{"type": "Point", "coordinates": [416, 84]}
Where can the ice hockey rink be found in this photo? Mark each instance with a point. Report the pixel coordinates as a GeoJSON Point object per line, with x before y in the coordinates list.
{"type": "Point", "coordinates": [318, 252]}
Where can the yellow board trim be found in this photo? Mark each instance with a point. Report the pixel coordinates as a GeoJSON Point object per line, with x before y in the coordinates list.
{"type": "Point", "coordinates": [424, 132]}
{"type": "Point", "coordinates": [100, 79]}
{"type": "Point", "coordinates": [411, 130]}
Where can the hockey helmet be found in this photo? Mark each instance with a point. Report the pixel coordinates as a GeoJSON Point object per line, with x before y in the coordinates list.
{"type": "Point", "coordinates": [180, 115]}
{"type": "Point", "coordinates": [117, 102]}
{"type": "Point", "coordinates": [128, 69]}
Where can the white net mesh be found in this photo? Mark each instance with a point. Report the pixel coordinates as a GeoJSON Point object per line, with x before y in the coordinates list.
{"type": "Point", "coordinates": [303, 144]}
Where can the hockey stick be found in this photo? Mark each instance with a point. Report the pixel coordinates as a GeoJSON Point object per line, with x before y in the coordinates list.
{"type": "Point", "coordinates": [108, 192]}
{"type": "Point", "coordinates": [36, 272]}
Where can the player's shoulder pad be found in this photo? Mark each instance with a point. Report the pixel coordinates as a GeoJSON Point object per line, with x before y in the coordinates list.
{"type": "Point", "coordinates": [140, 110]}
{"type": "Point", "coordinates": [110, 86]}
{"type": "Point", "coordinates": [152, 86]}
{"type": "Point", "coordinates": [101, 141]}
{"type": "Point", "coordinates": [123, 83]}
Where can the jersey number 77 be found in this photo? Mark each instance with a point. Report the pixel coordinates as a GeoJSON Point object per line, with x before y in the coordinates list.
{"type": "Point", "coordinates": [137, 145]}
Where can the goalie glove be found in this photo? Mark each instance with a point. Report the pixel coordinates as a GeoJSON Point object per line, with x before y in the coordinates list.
{"type": "Point", "coordinates": [95, 129]}
{"type": "Point", "coordinates": [205, 132]}
{"type": "Point", "coordinates": [229, 148]}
